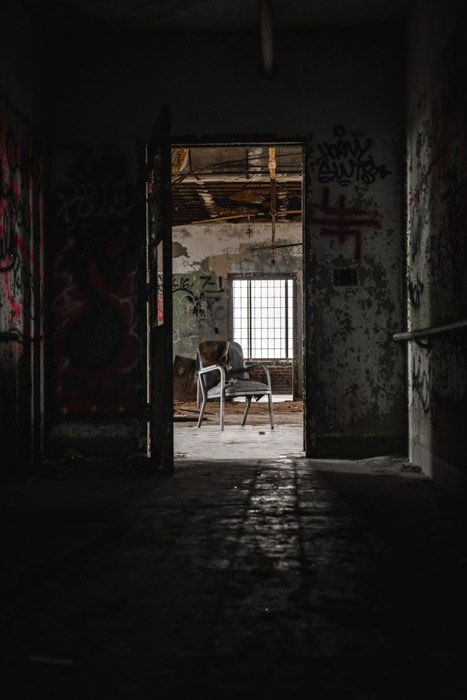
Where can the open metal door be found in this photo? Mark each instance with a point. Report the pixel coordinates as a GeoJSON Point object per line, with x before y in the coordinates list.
{"type": "Point", "coordinates": [159, 295]}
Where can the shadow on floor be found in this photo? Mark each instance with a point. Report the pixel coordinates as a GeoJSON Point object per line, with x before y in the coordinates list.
{"type": "Point", "coordinates": [256, 579]}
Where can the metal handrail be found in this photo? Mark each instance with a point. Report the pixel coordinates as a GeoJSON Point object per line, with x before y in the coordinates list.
{"type": "Point", "coordinates": [434, 330]}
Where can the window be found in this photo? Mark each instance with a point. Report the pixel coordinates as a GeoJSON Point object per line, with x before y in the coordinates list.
{"type": "Point", "coordinates": [262, 317]}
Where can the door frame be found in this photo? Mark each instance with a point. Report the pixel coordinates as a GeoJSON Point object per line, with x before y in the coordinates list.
{"type": "Point", "coordinates": [309, 341]}
{"type": "Point", "coordinates": [159, 333]}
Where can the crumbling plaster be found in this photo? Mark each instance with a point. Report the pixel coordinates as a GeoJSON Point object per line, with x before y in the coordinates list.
{"type": "Point", "coordinates": [205, 257]}
{"type": "Point", "coordinates": [437, 237]}
{"type": "Point", "coordinates": [21, 235]}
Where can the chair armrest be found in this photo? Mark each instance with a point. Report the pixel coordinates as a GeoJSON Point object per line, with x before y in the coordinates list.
{"type": "Point", "coordinates": [246, 368]}
{"type": "Point", "coordinates": [212, 368]}
{"type": "Point", "coordinates": [206, 370]}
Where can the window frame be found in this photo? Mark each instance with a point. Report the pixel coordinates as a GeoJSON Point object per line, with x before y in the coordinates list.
{"type": "Point", "coordinates": [264, 276]}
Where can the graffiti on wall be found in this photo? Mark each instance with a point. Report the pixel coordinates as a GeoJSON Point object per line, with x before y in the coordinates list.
{"type": "Point", "coordinates": [20, 277]}
{"type": "Point", "coordinates": [415, 288]}
{"type": "Point", "coordinates": [419, 379]}
{"type": "Point", "coordinates": [439, 372]}
{"type": "Point", "coordinates": [348, 159]}
{"type": "Point", "coordinates": [20, 228]}
{"type": "Point", "coordinates": [426, 161]}
{"type": "Point", "coordinates": [436, 203]}
{"type": "Point", "coordinates": [342, 222]}
{"type": "Point", "coordinates": [199, 308]}
{"type": "Point", "coordinates": [97, 251]}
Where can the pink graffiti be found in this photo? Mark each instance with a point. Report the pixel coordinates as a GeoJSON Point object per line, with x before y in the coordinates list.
{"type": "Point", "coordinates": [20, 224]}
{"type": "Point", "coordinates": [160, 309]}
{"type": "Point", "coordinates": [14, 306]}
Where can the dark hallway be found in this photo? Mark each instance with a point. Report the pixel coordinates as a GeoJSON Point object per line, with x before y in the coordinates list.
{"type": "Point", "coordinates": [263, 579]}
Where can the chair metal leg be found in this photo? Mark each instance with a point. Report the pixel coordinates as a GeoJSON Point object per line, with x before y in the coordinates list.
{"type": "Point", "coordinates": [271, 416]}
{"type": "Point", "coordinates": [222, 410]}
{"type": "Point", "coordinates": [201, 412]}
{"type": "Point", "coordinates": [247, 408]}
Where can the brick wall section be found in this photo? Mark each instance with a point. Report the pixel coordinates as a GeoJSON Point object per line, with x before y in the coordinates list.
{"type": "Point", "coordinates": [281, 376]}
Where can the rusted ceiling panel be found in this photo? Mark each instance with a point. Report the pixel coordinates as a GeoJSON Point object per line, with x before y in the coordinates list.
{"type": "Point", "coordinates": [235, 201]}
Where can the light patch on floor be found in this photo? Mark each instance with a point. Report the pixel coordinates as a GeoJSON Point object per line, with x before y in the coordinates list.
{"type": "Point", "coordinates": [276, 398]}
{"type": "Point", "coordinates": [237, 442]}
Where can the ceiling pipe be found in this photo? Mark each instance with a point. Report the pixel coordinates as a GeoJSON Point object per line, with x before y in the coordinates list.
{"type": "Point", "coordinates": [267, 39]}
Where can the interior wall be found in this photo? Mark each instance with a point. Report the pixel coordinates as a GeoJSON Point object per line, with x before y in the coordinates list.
{"type": "Point", "coordinates": [22, 63]}
{"type": "Point", "coordinates": [437, 245]}
{"type": "Point", "coordinates": [21, 238]}
{"type": "Point", "coordinates": [205, 256]}
{"type": "Point", "coordinates": [357, 399]}
{"type": "Point", "coordinates": [336, 86]}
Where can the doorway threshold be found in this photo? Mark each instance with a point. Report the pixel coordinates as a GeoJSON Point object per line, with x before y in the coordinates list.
{"type": "Point", "coordinates": [237, 442]}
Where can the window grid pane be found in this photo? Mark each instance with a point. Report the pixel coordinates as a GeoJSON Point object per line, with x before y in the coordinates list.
{"type": "Point", "coordinates": [263, 317]}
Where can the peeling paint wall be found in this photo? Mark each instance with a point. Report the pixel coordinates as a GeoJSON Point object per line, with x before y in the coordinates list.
{"type": "Point", "coordinates": [358, 397]}
{"type": "Point", "coordinates": [437, 243]}
{"type": "Point", "coordinates": [204, 257]}
{"type": "Point", "coordinates": [21, 240]}
{"type": "Point", "coordinates": [21, 282]}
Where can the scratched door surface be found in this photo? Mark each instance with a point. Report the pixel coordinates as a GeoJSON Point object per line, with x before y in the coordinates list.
{"type": "Point", "coordinates": [159, 299]}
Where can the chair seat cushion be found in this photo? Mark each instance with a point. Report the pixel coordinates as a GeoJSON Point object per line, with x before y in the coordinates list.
{"type": "Point", "coordinates": [242, 387]}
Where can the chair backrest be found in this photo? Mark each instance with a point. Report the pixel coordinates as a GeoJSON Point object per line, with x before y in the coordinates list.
{"type": "Point", "coordinates": [236, 359]}
{"type": "Point", "coordinates": [213, 348]}
{"type": "Point", "coordinates": [214, 353]}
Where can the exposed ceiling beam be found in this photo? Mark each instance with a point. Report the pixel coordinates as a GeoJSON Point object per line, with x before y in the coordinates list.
{"type": "Point", "coordinates": [281, 245]}
{"type": "Point", "coordinates": [272, 165]}
{"type": "Point", "coordinates": [249, 215]}
{"type": "Point", "coordinates": [207, 199]}
{"type": "Point", "coordinates": [229, 177]}
{"type": "Point", "coordinates": [180, 160]}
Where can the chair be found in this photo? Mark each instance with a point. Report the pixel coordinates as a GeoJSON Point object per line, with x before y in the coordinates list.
{"type": "Point", "coordinates": [234, 380]}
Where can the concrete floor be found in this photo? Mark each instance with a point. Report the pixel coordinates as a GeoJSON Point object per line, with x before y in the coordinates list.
{"type": "Point", "coordinates": [236, 442]}
{"type": "Point", "coordinates": [285, 412]}
{"type": "Point", "coordinates": [284, 578]}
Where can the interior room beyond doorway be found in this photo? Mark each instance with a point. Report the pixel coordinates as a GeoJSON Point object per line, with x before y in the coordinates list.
{"type": "Point", "coordinates": [237, 278]}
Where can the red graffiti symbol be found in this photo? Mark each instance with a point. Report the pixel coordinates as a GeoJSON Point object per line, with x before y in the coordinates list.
{"type": "Point", "coordinates": [160, 309]}
{"type": "Point", "coordinates": [341, 222]}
